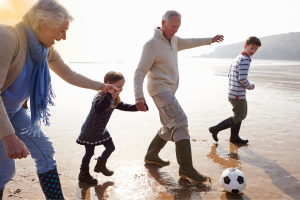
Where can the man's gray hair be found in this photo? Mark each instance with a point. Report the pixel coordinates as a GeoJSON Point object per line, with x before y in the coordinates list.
{"type": "Point", "coordinates": [169, 14]}
{"type": "Point", "coordinates": [51, 11]}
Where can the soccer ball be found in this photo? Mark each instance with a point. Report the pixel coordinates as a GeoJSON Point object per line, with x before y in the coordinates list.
{"type": "Point", "coordinates": [233, 180]}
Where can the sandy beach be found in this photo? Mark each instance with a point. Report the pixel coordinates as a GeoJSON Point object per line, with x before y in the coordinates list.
{"type": "Point", "coordinates": [270, 162]}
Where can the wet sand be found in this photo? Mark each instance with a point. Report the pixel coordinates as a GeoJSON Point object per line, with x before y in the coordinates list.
{"type": "Point", "coordinates": [270, 162]}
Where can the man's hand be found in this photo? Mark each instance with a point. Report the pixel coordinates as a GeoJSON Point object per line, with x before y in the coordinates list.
{"type": "Point", "coordinates": [106, 87]}
{"type": "Point", "coordinates": [14, 147]}
{"type": "Point", "coordinates": [253, 86]}
{"type": "Point", "coordinates": [218, 38]}
{"type": "Point", "coordinates": [140, 105]}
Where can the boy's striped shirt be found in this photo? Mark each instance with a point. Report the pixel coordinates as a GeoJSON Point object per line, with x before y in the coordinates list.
{"type": "Point", "coordinates": [238, 81]}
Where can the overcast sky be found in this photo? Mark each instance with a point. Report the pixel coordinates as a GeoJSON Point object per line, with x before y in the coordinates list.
{"type": "Point", "coordinates": [116, 30]}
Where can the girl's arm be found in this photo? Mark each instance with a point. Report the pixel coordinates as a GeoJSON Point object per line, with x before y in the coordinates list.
{"type": "Point", "coordinates": [104, 103]}
{"type": "Point", "coordinates": [128, 107]}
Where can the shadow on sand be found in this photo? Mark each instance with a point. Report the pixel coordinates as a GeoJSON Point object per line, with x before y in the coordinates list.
{"type": "Point", "coordinates": [282, 179]}
{"type": "Point", "coordinates": [180, 189]}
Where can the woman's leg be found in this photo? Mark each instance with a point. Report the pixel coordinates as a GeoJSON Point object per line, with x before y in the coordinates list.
{"type": "Point", "coordinates": [42, 151]}
{"type": "Point", "coordinates": [7, 167]}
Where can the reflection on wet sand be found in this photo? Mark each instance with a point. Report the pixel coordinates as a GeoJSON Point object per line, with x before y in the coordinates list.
{"type": "Point", "coordinates": [282, 179]}
{"type": "Point", "coordinates": [84, 190]}
{"type": "Point", "coordinates": [176, 189]}
{"type": "Point", "coordinates": [232, 159]}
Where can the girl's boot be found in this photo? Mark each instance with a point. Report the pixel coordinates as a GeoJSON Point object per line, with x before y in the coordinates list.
{"type": "Point", "coordinates": [235, 138]}
{"type": "Point", "coordinates": [101, 167]}
{"type": "Point", "coordinates": [154, 148]}
{"type": "Point", "coordinates": [51, 185]}
{"type": "Point", "coordinates": [184, 159]}
{"type": "Point", "coordinates": [214, 130]}
{"type": "Point", "coordinates": [85, 177]}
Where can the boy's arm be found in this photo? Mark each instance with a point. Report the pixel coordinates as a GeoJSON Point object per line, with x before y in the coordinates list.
{"type": "Point", "coordinates": [101, 105]}
{"type": "Point", "coordinates": [243, 74]}
{"type": "Point", "coordinates": [128, 107]}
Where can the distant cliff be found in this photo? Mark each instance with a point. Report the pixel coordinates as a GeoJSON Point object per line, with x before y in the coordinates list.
{"type": "Point", "coordinates": [274, 47]}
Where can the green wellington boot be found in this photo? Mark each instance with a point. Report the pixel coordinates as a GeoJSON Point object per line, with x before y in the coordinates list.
{"type": "Point", "coordinates": [154, 148]}
{"type": "Point", "coordinates": [184, 159]}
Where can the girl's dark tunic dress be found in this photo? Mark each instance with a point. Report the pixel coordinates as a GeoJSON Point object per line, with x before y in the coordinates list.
{"type": "Point", "coordinates": [93, 131]}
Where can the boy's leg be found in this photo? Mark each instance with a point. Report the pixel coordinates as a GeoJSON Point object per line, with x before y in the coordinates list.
{"type": "Point", "coordinates": [84, 175]}
{"type": "Point", "coordinates": [42, 152]}
{"type": "Point", "coordinates": [241, 112]}
{"type": "Point", "coordinates": [101, 161]}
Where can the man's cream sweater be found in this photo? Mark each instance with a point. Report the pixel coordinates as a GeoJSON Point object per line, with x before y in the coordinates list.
{"type": "Point", "coordinates": [13, 43]}
{"type": "Point", "coordinates": [159, 62]}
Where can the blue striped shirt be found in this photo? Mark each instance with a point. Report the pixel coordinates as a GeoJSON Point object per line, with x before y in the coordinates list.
{"type": "Point", "coordinates": [238, 81]}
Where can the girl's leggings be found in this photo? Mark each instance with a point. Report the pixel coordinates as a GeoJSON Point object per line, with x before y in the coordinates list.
{"type": "Point", "coordinates": [89, 152]}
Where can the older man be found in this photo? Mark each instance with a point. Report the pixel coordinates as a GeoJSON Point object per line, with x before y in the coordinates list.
{"type": "Point", "coordinates": [159, 62]}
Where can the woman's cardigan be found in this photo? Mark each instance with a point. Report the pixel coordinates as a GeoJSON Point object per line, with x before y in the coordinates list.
{"type": "Point", "coordinates": [13, 44]}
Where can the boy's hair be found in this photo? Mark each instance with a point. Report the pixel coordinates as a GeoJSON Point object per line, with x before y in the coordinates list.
{"type": "Point", "coordinates": [111, 77]}
{"type": "Point", "coordinates": [253, 40]}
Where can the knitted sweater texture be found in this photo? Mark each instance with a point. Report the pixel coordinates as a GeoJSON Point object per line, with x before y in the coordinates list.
{"type": "Point", "coordinates": [159, 62]}
{"type": "Point", "coordinates": [13, 43]}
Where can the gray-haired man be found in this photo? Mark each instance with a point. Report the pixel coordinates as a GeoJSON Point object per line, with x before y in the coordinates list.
{"type": "Point", "coordinates": [159, 62]}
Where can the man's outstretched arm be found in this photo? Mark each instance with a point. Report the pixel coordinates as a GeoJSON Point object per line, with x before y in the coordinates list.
{"type": "Point", "coordinates": [188, 43]}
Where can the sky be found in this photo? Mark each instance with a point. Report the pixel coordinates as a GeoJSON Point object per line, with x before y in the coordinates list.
{"type": "Point", "coordinates": [115, 31]}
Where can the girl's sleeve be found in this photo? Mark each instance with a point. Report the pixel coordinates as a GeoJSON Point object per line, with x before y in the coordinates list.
{"type": "Point", "coordinates": [104, 103]}
{"type": "Point", "coordinates": [128, 107]}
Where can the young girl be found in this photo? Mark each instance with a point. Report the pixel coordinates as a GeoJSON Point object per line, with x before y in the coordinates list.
{"type": "Point", "coordinates": [94, 132]}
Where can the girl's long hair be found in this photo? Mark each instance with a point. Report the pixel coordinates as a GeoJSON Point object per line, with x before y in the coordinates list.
{"type": "Point", "coordinates": [111, 77]}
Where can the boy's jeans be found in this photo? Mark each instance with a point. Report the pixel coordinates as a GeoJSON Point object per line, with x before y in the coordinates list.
{"type": "Point", "coordinates": [40, 147]}
{"type": "Point", "coordinates": [239, 108]}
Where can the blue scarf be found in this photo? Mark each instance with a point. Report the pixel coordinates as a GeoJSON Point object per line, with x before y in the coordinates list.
{"type": "Point", "coordinates": [41, 92]}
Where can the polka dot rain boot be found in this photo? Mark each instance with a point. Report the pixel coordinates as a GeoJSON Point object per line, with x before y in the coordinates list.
{"type": "Point", "coordinates": [51, 185]}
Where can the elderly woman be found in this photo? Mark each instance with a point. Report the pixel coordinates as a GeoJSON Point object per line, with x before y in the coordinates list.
{"type": "Point", "coordinates": [26, 54]}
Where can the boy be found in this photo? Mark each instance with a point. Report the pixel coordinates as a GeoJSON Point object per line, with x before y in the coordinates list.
{"type": "Point", "coordinates": [238, 83]}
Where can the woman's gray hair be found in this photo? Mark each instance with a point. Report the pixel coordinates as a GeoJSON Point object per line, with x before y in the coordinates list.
{"type": "Point", "coordinates": [169, 14]}
{"type": "Point", "coordinates": [51, 12]}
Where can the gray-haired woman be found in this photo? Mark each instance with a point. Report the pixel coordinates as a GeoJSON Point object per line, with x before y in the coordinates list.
{"type": "Point", "coordinates": [26, 54]}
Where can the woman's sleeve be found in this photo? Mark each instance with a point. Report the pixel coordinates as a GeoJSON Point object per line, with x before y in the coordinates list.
{"type": "Point", "coordinates": [104, 103]}
{"type": "Point", "coordinates": [58, 66]}
{"type": "Point", "coordinates": [128, 107]}
{"type": "Point", "coordinates": [8, 48]}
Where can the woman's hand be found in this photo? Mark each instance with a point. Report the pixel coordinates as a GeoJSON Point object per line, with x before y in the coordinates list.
{"type": "Point", "coordinates": [106, 87]}
{"type": "Point", "coordinates": [14, 147]}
